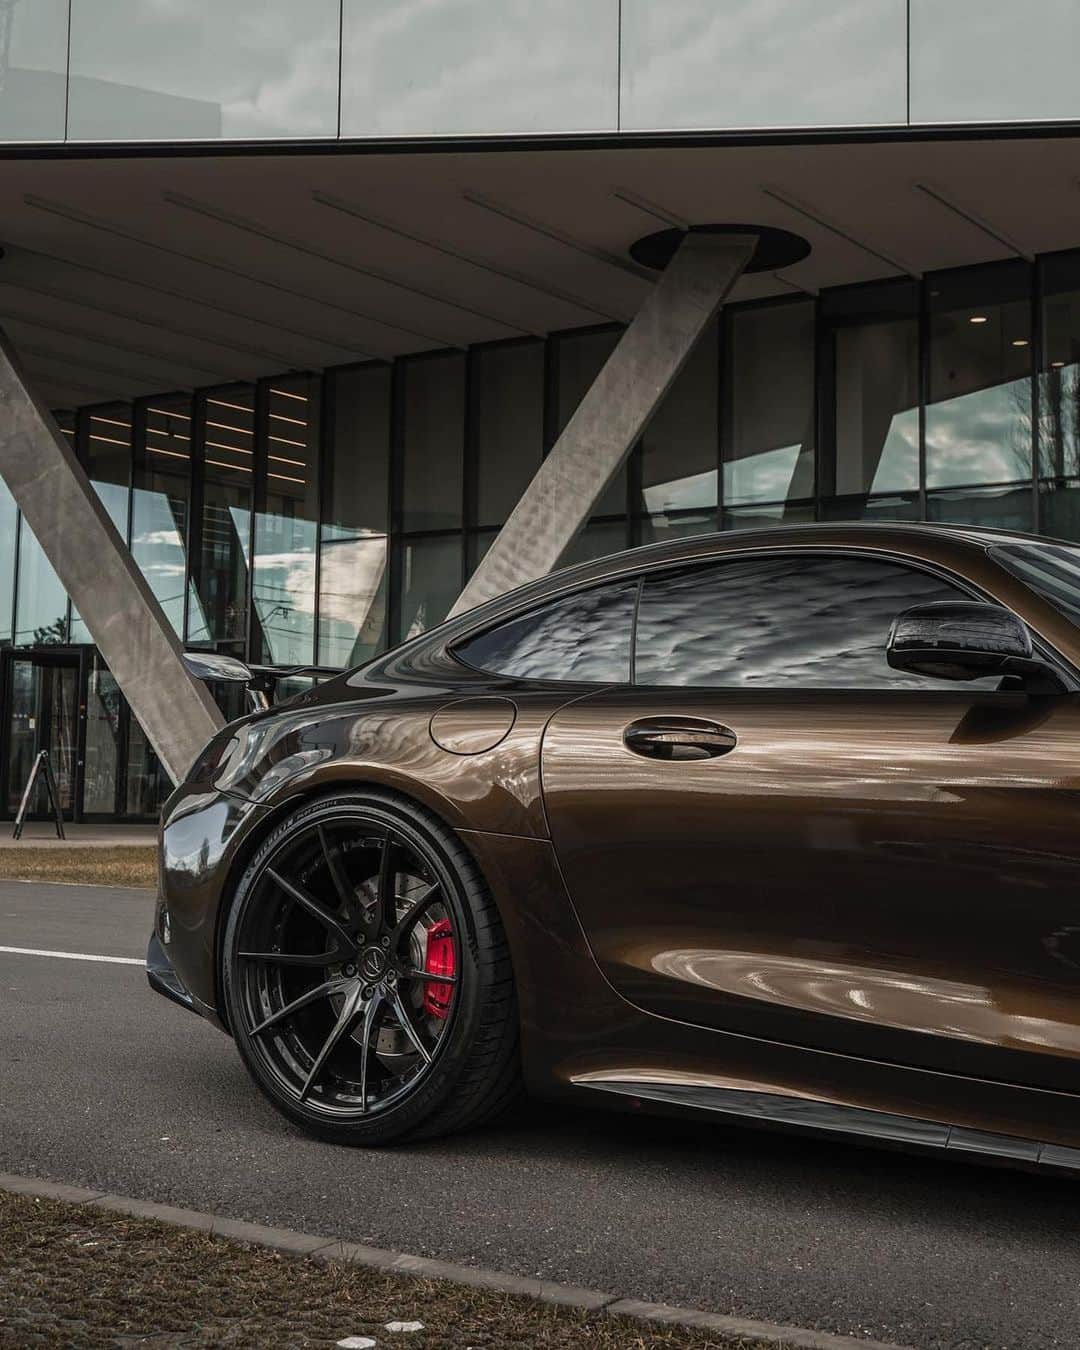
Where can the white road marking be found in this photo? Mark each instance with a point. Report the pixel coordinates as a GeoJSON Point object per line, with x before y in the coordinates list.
{"type": "Point", "coordinates": [75, 956]}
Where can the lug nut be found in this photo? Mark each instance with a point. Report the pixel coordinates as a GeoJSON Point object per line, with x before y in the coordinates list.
{"type": "Point", "coordinates": [386, 942]}
{"type": "Point", "coordinates": [348, 972]}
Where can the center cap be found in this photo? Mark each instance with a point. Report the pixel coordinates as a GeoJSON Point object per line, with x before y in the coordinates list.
{"type": "Point", "coordinates": [372, 963]}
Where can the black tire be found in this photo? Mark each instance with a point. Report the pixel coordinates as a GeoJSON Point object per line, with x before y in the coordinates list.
{"type": "Point", "coordinates": [312, 963]}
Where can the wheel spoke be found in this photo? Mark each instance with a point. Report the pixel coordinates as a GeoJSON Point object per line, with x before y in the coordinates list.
{"type": "Point", "coordinates": [350, 1010]}
{"type": "Point", "coordinates": [292, 958]}
{"type": "Point", "coordinates": [417, 907]}
{"type": "Point", "coordinates": [407, 1026]}
{"type": "Point", "coordinates": [428, 976]}
{"type": "Point", "coordinates": [334, 986]}
{"type": "Point", "coordinates": [385, 893]}
{"type": "Point", "coordinates": [314, 907]}
{"type": "Point", "coordinates": [336, 866]}
{"type": "Point", "coordinates": [374, 1004]}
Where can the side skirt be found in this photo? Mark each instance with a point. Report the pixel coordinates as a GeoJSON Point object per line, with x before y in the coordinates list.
{"type": "Point", "coordinates": [820, 1117]}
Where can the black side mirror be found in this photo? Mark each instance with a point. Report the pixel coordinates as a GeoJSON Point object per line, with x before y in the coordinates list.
{"type": "Point", "coordinates": [963, 641]}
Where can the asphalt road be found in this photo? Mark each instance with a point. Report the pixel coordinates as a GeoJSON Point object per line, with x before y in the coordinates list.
{"type": "Point", "coordinates": [104, 1084]}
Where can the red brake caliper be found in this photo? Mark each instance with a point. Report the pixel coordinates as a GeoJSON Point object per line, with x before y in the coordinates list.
{"type": "Point", "coordinates": [439, 961]}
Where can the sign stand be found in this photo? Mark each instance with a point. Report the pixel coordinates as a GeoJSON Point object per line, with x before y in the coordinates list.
{"type": "Point", "coordinates": [41, 766]}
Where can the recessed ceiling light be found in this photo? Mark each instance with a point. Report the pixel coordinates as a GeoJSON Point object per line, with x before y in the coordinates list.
{"type": "Point", "coordinates": [1057, 364]}
{"type": "Point", "coordinates": [1020, 342]}
{"type": "Point", "coordinates": [978, 318]}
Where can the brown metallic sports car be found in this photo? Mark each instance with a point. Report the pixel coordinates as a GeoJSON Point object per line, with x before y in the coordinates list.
{"type": "Point", "coordinates": [782, 825]}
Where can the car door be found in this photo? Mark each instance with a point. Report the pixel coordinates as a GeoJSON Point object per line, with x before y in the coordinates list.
{"type": "Point", "coordinates": [774, 833]}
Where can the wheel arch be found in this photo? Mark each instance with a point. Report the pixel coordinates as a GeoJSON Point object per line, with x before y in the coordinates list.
{"type": "Point", "coordinates": [310, 794]}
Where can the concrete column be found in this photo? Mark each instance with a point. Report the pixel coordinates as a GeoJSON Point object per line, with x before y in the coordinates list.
{"type": "Point", "coordinates": [612, 415]}
{"type": "Point", "coordinates": [98, 572]}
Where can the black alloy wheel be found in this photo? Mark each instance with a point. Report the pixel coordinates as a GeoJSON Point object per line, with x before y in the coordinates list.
{"type": "Point", "coordinates": [366, 975]}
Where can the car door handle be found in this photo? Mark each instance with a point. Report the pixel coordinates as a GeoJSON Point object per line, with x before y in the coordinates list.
{"type": "Point", "coordinates": [678, 738]}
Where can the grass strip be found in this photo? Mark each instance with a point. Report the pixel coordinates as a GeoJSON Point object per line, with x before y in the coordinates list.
{"type": "Point", "coordinates": [76, 1276]}
{"type": "Point", "coordinates": [124, 865]}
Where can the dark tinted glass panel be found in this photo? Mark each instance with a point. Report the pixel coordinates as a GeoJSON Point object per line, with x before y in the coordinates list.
{"type": "Point", "coordinates": [506, 389]}
{"type": "Point", "coordinates": [800, 622]}
{"type": "Point", "coordinates": [579, 358]}
{"type": "Point", "coordinates": [999, 508]}
{"type": "Point", "coordinates": [597, 540]}
{"type": "Point", "coordinates": [105, 435]}
{"type": "Point", "coordinates": [872, 346]}
{"type": "Point", "coordinates": [147, 782]}
{"type": "Point", "coordinates": [978, 420]}
{"type": "Point", "coordinates": [766, 516]}
{"type": "Point", "coordinates": [476, 546]}
{"type": "Point", "coordinates": [585, 637]}
{"type": "Point", "coordinates": [679, 449]}
{"type": "Point", "coordinates": [41, 612]}
{"type": "Point", "coordinates": [769, 431]}
{"type": "Point", "coordinates": [1059, 379]}
{"type": "Point", "coordinates": [657, 529]}
{"type": "Point", "coordinates": [431, 581]}
{"type": "Point", "coordinates": [220, 614]}
{"type": "Point", "coordinates": [41, 604]}
{"type": "Point", "coordinates": [8, 527]}
{"type": "Point", "coordinates": [352, 571]}
{"type": "Point", "coordinates": [160, 503]}
{"type": "Point", "coordinates": [434, 439]}
{"type": "Point", "coordinates": [283, 585]}
{"type": "Point", "coordinates": [1059, 509]}
{"type": "Point", "coordinates": [871, 508]}
{"type": "Point", "coordinates": [103, 702]}
{"type": "Point", "coordinates": [1051, 569]}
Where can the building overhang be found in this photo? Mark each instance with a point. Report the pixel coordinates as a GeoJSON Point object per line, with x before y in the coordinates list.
{"type": "Point", "coordinates": [129, 274]}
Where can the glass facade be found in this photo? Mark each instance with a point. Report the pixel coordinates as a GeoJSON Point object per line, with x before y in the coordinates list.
{"type": "Point", "coordinates": [354, 533]}
{"type": "Point", "coordinates": [151, 71]}
{"type": "Point", "coordinates": [286, 526]}
{"type": "Point", "coordinates": [993, 60]}
{"type": "Point", "coordinates": [99, 71]}
{"type": "Point", "coordinates": [161, 502]}
{"type": "Point", "coordinates": [325, 516]}
{"type": "Point", "coordinates": [768, 451]}
{"type": "Point", "coordinates": [474, 67]}
{"type": "Point", "coordinates": [33, 91]}
{"type": "Point", "coordinates": [695, 63]}
{"type": "Point", "coordinates": [225, 449]}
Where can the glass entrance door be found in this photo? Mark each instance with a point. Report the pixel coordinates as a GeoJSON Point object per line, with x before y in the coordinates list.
{"type": "Point", "coordinates": [43, 715]}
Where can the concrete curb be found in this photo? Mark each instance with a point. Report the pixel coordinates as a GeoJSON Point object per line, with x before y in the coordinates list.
{"type": "Point", "coordinates": [421, 1267]}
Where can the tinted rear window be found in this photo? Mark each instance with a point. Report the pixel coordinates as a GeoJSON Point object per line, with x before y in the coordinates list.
{"type": "Point", "coordinates": [583, 637]}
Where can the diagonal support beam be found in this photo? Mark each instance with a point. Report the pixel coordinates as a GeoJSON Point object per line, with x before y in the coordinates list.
{"type": "Point", "coordinates": [612, 416]}
{"type": "Point", "coordinates": [98, 571]}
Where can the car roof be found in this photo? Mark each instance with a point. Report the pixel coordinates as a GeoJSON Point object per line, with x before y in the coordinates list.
{"type": "Point", "coordinates": [840, 532]}
{"type": "Point", "coordinates": [959, 548]}
{"type": "Point", "coordinates": [931, 542]}
{"type": "Point", "coordinates": [906, 537]}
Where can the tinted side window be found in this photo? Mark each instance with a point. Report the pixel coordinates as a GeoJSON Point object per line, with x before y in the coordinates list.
{"type": "Point", "coordinates": [584, 637]}
{"type": "Point", "coordinates": [810, 622]}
